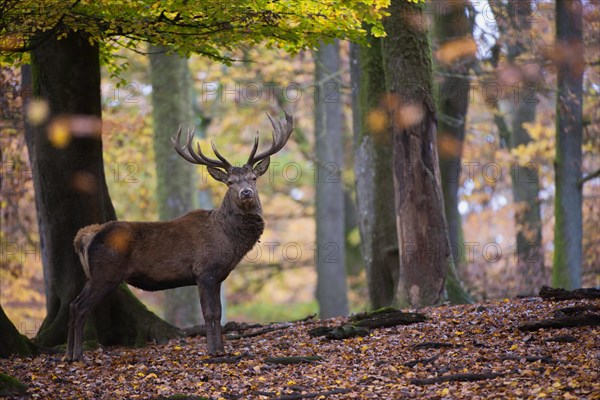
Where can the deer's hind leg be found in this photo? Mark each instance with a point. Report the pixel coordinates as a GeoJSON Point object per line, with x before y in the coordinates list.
{"type": "Point", "coordinates": [93, 292]}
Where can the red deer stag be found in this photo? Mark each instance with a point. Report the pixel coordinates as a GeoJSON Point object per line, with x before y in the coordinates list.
{"type": "Point", "coordinates": [200, 248]}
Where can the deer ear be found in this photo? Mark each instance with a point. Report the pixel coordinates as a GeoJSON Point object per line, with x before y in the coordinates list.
{"type": "Point", "coordinates": [216, 173]}
{"type": "Point", "coordinates": [262, 166]}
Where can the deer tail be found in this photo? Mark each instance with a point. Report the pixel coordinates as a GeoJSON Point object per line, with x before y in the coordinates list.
{"type": "Point", "coordinates": [82, 241]}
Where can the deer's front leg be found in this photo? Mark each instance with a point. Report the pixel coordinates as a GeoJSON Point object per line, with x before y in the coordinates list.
{"type": "Point", "coordinates": [210, 301]}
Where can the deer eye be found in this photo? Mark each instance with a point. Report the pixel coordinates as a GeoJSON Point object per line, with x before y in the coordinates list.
{"type": "Point", "coordinates": [229, 183]}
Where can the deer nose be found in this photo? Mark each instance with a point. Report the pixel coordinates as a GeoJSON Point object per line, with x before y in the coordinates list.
{"type": "Point", "coordinates": [246, 194]}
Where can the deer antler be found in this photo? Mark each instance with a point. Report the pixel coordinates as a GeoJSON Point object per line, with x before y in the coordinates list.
{"type": "Point", "coordinates": [187, 152]}
{"type": "Point", "coordinates": [281, 134]}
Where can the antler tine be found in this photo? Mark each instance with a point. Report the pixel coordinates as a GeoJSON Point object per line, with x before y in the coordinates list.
{"type": "Point", "coordinates": [219, 156]}
{"type": "Point", "coordinates": [199, 158]}
{"type": "Point", "coordinates": [280, 136]}
{"type": "Point", "coordinates": [177, 146]}
{"type": "Point", "coordinates": [254, 148]}
{"type": "Point", "coordinates": [187, 152]}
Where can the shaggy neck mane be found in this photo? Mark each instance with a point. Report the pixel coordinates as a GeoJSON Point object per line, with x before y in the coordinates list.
{"type": "Point", "coordinates": [245, 225]}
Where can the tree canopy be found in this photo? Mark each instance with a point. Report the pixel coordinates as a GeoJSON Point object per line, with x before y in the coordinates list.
{"type": "Point", "coordinates": [211, 28]}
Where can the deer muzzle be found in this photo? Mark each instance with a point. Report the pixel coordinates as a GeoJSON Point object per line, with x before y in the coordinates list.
{"type": "Point", "coordinates": [246, 194]}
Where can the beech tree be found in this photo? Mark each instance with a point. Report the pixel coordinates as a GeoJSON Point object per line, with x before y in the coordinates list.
{"type": "Point", "coordinates": [568, 225]}
{"type": "Point", "coordinates": [66, 42]}
{"type": "Point", "coordinates": [331, 266]}
{"type": "Point", "coordinates": [427, 273]}
{"type": "Point", "coordinates": [455, 55]}
{"type": "Point", "coordinates": [374, 178]}
{"type": "Point", "coordinates": [172, 106]}
{"type": "Point", "coordinates": [512, 114]}
{"type": "Point", "coordinates": [392, 80]}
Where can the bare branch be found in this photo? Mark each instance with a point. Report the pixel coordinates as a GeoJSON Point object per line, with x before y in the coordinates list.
{"type": "Point", "coordinates": [588, 177]}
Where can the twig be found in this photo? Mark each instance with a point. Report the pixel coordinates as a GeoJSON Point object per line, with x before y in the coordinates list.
{"type": "Point", "coordinates": [455, 378]}
{"type": "Point", "coordinates": [226, 360]}
{"type": "Point", "coordinates": [292, 360]}
{"type": "Point", "coordinates": [423, 361]}
{"type": "Point", "coordinates": [516, 357]}
{"type": "Point", "coordinates": [297, 396]}
{"type": "Point", "coordinates": [267, 329]}
{"type": "Point", "coordinates": [432, 345]}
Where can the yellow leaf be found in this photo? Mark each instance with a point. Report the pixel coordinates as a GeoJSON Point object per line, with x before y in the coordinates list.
{"type": "Point", "coordinates": [445, 391]}
{"type": "Point", "coordinates": [150, 376]}
{"type": "Point", "coordinates": [514, 347]}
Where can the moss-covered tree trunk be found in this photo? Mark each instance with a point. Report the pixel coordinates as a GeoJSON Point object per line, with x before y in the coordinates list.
{"type": "Point", "coordinates": [566, 264]}
{"type": "Point", "coordinates": [11, 341]}
{"type": "Point", "coordinates": [331, 267]}
{"type": "Point", "coordinates": [424, 248]}
{"type": "Point", "coordinates": [452, 34]}
{"type": "Point", "coordinates": [70, 191]}
{"type": "Point", "coordinates": [172, 88]}
{"type": "Point", "coordinates": [374, 179]}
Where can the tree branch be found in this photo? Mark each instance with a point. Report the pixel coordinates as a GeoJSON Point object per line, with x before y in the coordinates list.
{"type": "Point", "coordinates": [588, 177]}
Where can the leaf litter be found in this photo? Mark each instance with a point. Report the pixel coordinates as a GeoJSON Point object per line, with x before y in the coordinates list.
{"type": "Point", "coordinates": [457, 352]}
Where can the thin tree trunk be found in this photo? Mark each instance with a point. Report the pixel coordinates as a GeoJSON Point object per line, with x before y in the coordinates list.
{"type": "Point", "coordinates": [424, 248]}
{"type": "Point", "coordinates": [526, 188]}
{"type": "Point", "coordinates": [566, 264]}
{"type": "Point", "coordinates": [374, 180]}
{"type": "Point", "coordinates": [331, 269]}
{"type": "Point", "coordinates": [525, 178]}
{"type": "Point", "coordinates": [452, 31]}
{"type": "Point", "coordinates": [176, 180]}
{"type": "Point", "coordinates": [71, 192]}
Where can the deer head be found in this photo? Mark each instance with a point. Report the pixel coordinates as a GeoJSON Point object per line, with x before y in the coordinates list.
{"type": "Point", "coordinates": [241, 195]}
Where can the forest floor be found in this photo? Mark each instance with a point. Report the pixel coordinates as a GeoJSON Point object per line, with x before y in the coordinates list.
{"type": "Point", "coordinates": [460, 352]}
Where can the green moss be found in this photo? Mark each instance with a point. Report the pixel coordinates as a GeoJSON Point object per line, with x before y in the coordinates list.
{"type": "Point", "coordinates": [9, 386]}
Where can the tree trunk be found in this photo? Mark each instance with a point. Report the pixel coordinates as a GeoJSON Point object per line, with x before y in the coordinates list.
{"type": "Point", "coordinates": [566, 264]}
{"type": "Point", "coordinates": [71, 192]}
{"type": "Point", "coordinates": [374, 180]}
{"type": "Point", "coordinates": [452, 28]}
{"type": "Point", "coordinates": [172, 88]}
{"type": "Point", "coordinates": [331, 270]}
{"type": "Point", "coordinates": [424, 248]}
{"type": "Point", "coordinates": [11, 341]}
{"type": "Point", "coordinates": [525, 178]}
